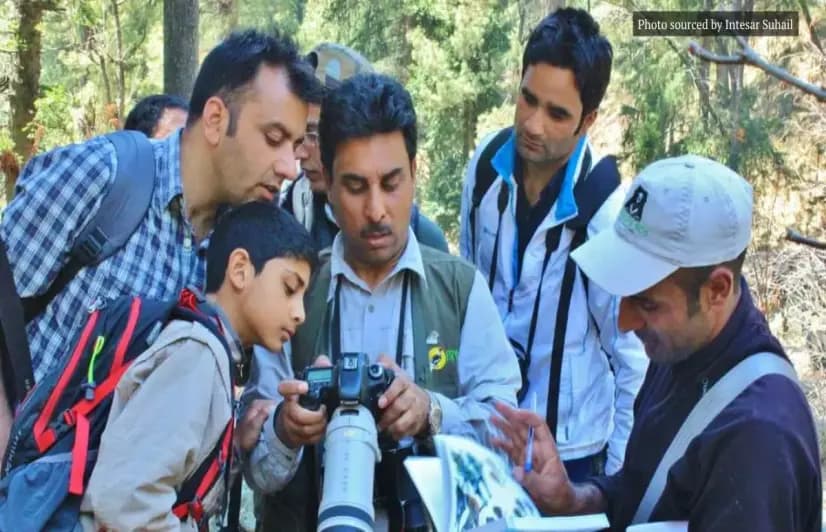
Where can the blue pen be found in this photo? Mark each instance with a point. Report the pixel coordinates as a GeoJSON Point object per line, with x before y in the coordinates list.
{"type": "Point", "coordinates": [529, 448]}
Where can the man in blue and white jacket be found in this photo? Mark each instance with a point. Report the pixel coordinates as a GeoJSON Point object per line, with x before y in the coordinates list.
{"type": "Point", "coordinates": [532, 193]}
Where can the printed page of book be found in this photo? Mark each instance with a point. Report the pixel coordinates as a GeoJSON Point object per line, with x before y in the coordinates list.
{"type": "Point", "coordinates": [482, 489]}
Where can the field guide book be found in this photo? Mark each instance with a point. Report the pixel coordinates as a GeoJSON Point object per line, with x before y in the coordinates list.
{"type": "Point", "coordinates": [467, 487]}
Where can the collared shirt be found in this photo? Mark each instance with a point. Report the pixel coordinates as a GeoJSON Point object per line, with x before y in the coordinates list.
{"type": "Point", "coordinates": [487, 367]}
{"type": "Point", "coordinates": [56, 196]}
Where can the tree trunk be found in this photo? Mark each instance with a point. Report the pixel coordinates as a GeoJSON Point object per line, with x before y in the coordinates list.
{"type": "Point", "coordinates": [26, 86]}
{"type": "Point", "coordinates": [180, 46]}
{"type": "Point", "coordinates": [120, 63]}
{"type": "Point", "coordinates": [229, 12]}
{"type": "Point", "coordinates": [737, 71]}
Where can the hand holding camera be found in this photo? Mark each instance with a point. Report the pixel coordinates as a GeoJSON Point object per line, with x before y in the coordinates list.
{"type": "Point", "coordinates": [295, 424]}
{"type": "Point", "coordinates": [404, 406]}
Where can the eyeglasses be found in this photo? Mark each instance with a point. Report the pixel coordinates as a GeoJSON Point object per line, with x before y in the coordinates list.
{"type": "Point", "coordinates": [311, 138]}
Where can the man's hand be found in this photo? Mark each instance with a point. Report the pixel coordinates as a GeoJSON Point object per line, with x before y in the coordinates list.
{"type": "Point", "coordinates": [296, 425]}
{"type": "Point", "coordinates": [249, 428]}
{"type": "Point", "coordinates": [404, 405]}
{"type": "Point", "coordinates": [547, 482]}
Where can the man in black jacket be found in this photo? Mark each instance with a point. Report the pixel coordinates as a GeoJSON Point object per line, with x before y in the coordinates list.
{"type": "Point", "coordinates": [675, 255]}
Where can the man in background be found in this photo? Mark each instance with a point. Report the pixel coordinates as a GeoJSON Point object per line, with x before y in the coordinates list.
{"type": "Point", "coordinates": [158, 115]}
{"type": "Point", "coordinates": [306, 197]}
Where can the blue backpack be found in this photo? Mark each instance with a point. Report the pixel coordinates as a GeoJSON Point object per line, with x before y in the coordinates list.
{"type": "Point", "coordinates": [56, 433]}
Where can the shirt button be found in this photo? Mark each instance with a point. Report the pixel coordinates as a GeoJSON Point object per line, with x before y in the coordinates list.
{"type": "Point", "coordinates": [370, 308]}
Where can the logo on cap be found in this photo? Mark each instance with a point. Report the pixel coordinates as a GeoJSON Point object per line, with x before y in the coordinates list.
{"type": "Point", "coordinates": [635, 205]}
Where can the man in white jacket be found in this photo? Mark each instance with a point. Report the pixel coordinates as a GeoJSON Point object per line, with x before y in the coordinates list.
{"type": "Point", "coordinates": [532, 193]}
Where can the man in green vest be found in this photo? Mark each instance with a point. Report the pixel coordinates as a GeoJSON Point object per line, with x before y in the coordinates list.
{"type": "Point", "coordinates": [424, 314]}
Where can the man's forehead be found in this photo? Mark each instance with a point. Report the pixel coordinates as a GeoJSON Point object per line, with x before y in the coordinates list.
{"type": "Point", "coordinates": [277, 104]}
{"type": "Point", "coordinates": [551, 85]}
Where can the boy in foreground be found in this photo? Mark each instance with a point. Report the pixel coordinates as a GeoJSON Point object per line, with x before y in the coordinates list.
{"type": "Point", "coordinates": [175, 402]}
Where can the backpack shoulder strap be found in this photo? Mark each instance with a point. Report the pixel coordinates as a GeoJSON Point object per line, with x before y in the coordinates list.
{"type": "Point", "coordinates": [15, 359]}
{"type": "Point", "coordinates": [485, 172]}
{"type": "Point", "coordinates": [593, 189]}
{"type": "Point", "coordinates": [414, 220]}
{"type": "Point", "coordinates": [721, 394]}
{"type": "Point", "coordinates": [119, 215]}
{"type": "Point", "coordinates": [196, 487]}
{"type": "Point", "coordinates": [428, 232]}
{"type": "Point", "coordinates": [590, 192]}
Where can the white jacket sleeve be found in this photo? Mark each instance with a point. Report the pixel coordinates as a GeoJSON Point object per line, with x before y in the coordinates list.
{"type": "Point", "coordinates": [625, 351]}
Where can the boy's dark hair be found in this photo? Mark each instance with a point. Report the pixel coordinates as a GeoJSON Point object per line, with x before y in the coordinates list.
{"type": "Point", "coordinates": [569, 38]}
{"type": "Point", "coordinates": [231, 66]}
{"type": "Point", "coordinates": [265, 231]}
{"type": "Point", "coordinates": [145, 115]}
{"type": "Point", "coordinates": [362, 106]}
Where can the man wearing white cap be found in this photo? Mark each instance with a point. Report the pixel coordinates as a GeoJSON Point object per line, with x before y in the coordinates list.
{"type": "Point", "coordinates": [723, 436]}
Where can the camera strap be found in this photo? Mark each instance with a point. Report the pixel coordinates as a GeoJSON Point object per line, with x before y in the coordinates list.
{"type": "Point", "coordinates": [335, 324]}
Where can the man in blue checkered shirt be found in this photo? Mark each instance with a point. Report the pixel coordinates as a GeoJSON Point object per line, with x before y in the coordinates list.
{"type": "Point", "coordinates": [247, 117]}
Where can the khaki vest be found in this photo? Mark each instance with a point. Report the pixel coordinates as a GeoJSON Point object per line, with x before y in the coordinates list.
{"type": "Point", "coordinates": [438, 312]}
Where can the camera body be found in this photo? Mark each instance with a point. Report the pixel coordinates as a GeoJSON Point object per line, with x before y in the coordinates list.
{"type": "Point", "coordinates": [352, 381]}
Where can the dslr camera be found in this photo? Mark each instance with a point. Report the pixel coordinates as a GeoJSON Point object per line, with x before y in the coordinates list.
{"type": "Point", "coordinates": [352, 381]}
{"type": "Point", "coordinates": [350, 391]}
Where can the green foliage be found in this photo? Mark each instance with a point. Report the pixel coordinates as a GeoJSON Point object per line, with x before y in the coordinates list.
{"type": "Point", "coordinates": [460, 59]}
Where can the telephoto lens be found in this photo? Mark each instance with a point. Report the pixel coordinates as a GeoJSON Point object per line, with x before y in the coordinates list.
{"type": "Point", "coordinates": [351, 451]}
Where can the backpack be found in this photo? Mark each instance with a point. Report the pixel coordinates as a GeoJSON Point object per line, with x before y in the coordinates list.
{"type": "Point", "coordinates": [57, 430]}
{"type": "Point", "coordinates": [121, 212]}
{"type": "Point", "coordinates": [592, 189]}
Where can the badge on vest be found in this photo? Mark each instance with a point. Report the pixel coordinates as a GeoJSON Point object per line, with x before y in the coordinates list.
{"type": "Point", "coordinates": [437, 354]}
{"type": "Point", "coordinates": [439, 357]}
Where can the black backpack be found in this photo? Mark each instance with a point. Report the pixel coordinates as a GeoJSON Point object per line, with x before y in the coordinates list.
{"type": "Point", "coordinates": [56, 433]}
{"type": "Point", "coordinates": [592, 189]}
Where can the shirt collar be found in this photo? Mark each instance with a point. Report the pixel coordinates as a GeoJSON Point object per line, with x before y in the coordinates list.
{"type": "Point", "coordinates": [171, 187]}
{"type": "Point", "coordinates": [411, 260]}
{"type": "Point", "coordinates": [504, 162]}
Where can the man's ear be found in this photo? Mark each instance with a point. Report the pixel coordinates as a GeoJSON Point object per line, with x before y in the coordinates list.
{"type": "Point", "coordinates": [413, 169]}
{"type": "Point", "coordinates": [588, 121]}
{"type": "Point", "coordinates": [240, 270]}
{"type": "Point", "coordinates": [719, 286]}
{"type": "Point", "coordinates": [215, 119]}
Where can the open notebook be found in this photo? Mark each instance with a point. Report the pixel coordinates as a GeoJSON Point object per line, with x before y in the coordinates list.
{"type": "Point", "coordinates": [468, 487]}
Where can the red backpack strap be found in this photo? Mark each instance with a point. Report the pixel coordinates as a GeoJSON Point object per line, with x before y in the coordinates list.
{"type": "Point", "coordinates": [189, 503]}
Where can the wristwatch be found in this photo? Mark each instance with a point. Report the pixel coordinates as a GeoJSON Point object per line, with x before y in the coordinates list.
{"type": "Point", "coordinates": [434, 416]}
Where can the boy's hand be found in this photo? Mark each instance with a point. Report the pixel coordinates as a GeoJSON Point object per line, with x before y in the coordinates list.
{"type": "Point", "coordinates": [404, 405]}
{"type": "Point", "coordinates": [295, 425]}
{"type": "Point", "coordinates": [249, 428]}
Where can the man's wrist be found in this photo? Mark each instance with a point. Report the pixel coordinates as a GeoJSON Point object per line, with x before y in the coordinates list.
{"type": "Point", "coordinates": [586, 498]}
{"type": "Point", "coordinates": [432, 424]}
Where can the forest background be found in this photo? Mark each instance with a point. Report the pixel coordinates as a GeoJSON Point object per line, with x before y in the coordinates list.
{"type": "Point", "coordinates": [72, 69]}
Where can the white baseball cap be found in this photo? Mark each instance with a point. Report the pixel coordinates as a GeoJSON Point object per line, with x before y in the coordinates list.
{"type": "Point", "coordinates": [682, 212]}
